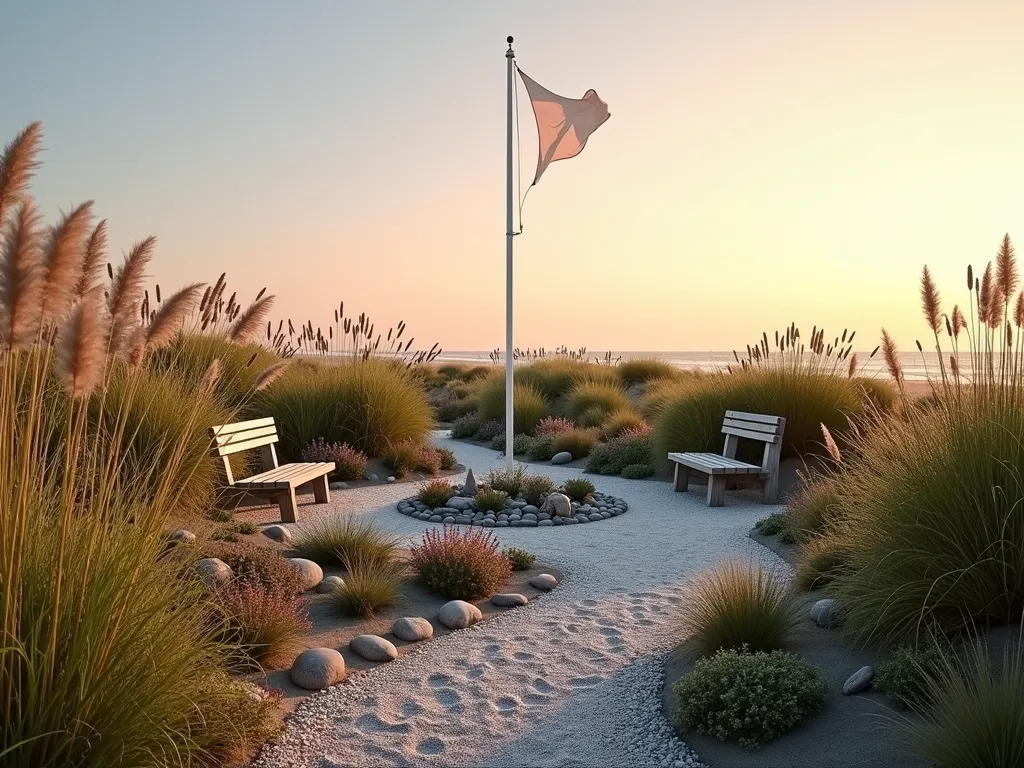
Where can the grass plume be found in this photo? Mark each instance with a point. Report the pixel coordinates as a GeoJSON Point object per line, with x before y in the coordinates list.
{"type": "Point", "coordinates": [81, 347]}
{"type": "Point", "coordinates": [20, 278]}
{"type": "Point", "coordinates": [250, 323]}
{"type": "Point", "coordinates": [169, 319]}
{"type": "Point", "coordinates": [17, 164]}
{"type": "Point", "coordinates": [62, 262]}
{"type": "Point", "coordinates": [127, 290]}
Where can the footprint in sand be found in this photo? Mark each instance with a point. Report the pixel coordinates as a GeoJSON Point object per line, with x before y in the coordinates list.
{"type": "Point", "coordinates": [523, 656]}
{"type": "Point", "coordinates": [644, 623]}
{"type": "Point", "coordinates": [572, 629]}
{"type": "Point", "coordinates": [588, 603]}
{"type": "Point", "coordinates": [440, 681]}
{"type": "Point", "coordinates": [585, 682]}
{"type": "Point", "coordinates": [449, 699]}
{"type": "Point", "coordinates": [608, 631]}
{"type": "Point", "coordinates": [411, 708]}
{"type": "Point", "coordinates": [506, 705]}
{"type": "Point", "coordinates": [430, 746]}
{"type": "Point", "coordinates": [602, 622]}
{"type": "Point", "coordinates": [542, 685]}
{"type": "Point", "coordinates": [492, 650]}
{"type": "Point", "coordinates": [478, 671]}
{"type": "Point", "coordinates": [536, 699]}
{"type": "Point", "coordinates": [372, 723]}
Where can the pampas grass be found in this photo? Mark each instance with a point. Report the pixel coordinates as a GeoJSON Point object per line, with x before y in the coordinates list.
{"type": "Point", "coordinates": [250, 323]}
{"type": "Point", "coordinates": [20, 278]}
{"type": "Point", "coordinates": [81, 350]}
{"type": "Point", "coordinates": [62, 262]}
{"type": "Point", "coordinates": [126, 292]}
{"type": "Point", "coordinates": [17, 165]}
{"type": "Point", "coordinates": [169, 319]}
{"type": "Point", "coordinates": [92, 260]}
{"type": "Point", "coordinates": [271, 374]}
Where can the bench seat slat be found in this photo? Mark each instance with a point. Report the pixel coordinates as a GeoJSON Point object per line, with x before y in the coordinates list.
{"type": "Point", "coordinates": [713, 464]}
{"type": "Point", "coordinates": [288, 476]}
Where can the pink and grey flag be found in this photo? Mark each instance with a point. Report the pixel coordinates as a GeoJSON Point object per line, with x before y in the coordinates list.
{"type": "Point", "coordinates": [563, 124]}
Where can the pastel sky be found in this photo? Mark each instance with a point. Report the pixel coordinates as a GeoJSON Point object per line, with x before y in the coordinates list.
{"type": "Point", "coordinates": [766, 161]}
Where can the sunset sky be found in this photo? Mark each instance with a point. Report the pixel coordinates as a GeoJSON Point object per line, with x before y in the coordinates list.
{"type": "Point", "coordinates": [765, 161]}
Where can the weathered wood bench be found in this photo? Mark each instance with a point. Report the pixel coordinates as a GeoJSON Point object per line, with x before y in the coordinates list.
{"type": "Point", "coordinates": [720, 469]}
{"type": "Point", "coordinates": [276, 481]}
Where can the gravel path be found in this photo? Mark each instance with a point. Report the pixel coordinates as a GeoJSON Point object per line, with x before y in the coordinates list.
{"type": "Point", "coordinates": [571, 680]}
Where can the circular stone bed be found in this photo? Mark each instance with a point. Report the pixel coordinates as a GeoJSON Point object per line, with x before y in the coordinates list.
{"type": "Point", "coordinates": [461, 510]}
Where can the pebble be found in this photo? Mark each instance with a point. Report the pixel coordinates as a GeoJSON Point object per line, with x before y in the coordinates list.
{"type": "Point", "coordinates": [329, 584]}
{"type": "Point", "coordinates": [858, 681]}
{"type": "Point", "coordinates": [214, 572]}
{"type": "Point", "coordinates": [278, 533]}
{"type": "Point", "coordinates": [318, 668]}
{"type": "Point", "coordinates": [458, 614]}
{"type": "Point", "coordinates": [338, 485]}
{"type": "Point", "coordinates": [373, 648]}
{"type": "Point", "coordinates": [544, 581]}
{"type": "Point", "coordinates": [412, 629]}
{"type": "Point", "coordinates": [391, 478]}
{"type": "Point", "coordinates": [825, 613]}
{"type": "Point", "coordinates": [181, 536]}
{"type": "Point", "coordinates": [509, 599]}
{"type": "Point", "coordinates": [544, 523]}
{"type": "Point", "coordinates": [562, 457]}
{"type": "Point", "coordinates": [311, 573]}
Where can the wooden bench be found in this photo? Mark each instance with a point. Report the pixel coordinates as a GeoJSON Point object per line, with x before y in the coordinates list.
{"type": "Point", "coordinates": [720, 469]}
{"type": "Point", "coordinates": [276, 481]}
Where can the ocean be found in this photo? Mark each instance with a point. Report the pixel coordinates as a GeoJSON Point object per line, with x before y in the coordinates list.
{"type": "Point", "coordinates": [916, 366]}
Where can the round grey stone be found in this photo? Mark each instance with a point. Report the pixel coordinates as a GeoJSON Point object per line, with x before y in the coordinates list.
{"type": "Point", "coordinates": [329, 584]}
{"type": "Point", "coordinates": [529, 508]}
{"type": "Point", "coordinates": [858, 681]}
{"type": "Point", "coordinates": [544, 581]}
{"type": "Point", "coordinates": [509, 599]}
{"type": "Point", "coordinates": [517, 504]}
{"type": "Point", "coordinates": [528, 523]}
{"type": "Point", "coordinates": [181, 536]}
{"type": "Point", "coordinates": [435, 518]}
{"type": "Point", "coordinates": [373, 648]}
{"type": "Point", "coordinates": [458, 614]}
{"type": "Point", "coordinates": [488, 523]}
{"type": "Point", "coordinates": [311, 573]}
{"type": "Point", "coordinates": [318, 668]}
{"type": "Point", "coordinates": [338, 485]}
{"type": "Point", "coordinates": [825, 613]}
{"type": "Point", "coordinates": [568, 520]}
{"type": "Point", "coordinates": [412, 629]}
{"type": "Point", "coordinates": [214, 572]}
{"type": "Point", "coordinates": [449, 520]}
{"type": "Point", "coordinates": [391, 478]}
{"type": "Point", "coordinates": [557, 521]}
{"type": "Point", "coordinates": [562, 457]}
{"type": "Point", "coordinates": [501, 524]}
{"type": "Point", "coordinates": [595, 517]}
{"type": "Point", "coordinates": [544, 523]}
{"type": "Point", "coordinates": [582, 519]}
{"type": "Point", "coordinates": [529, 517]}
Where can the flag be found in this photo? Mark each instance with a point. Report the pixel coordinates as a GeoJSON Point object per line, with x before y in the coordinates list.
{"type": "Point", "coordinates": [563, 125]}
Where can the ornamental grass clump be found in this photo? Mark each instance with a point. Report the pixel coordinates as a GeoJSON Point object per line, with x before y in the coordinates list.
{"type": "Point", "coordinates": [578, 488]}
{"type": "Point", "coordinates": [336, 539]}
{"type": "Point", "coordinates": [436, 493]}
{"type": "Point", "coordinates": [736, 605]}
{"type": "Point", "coordinates": [578, 442]}
{"type": "Point", "coordinates": [460, 565]}
{"type": "Point", "coordinates": [490, 500]}
{"type": "Point", "coordinates": [528, 405]}
{"type": "Point", "coordinates": [519, 559]}
{"type": "Point", "coordinates": [750, 698]}
{"type": "Point", "coordinates": [509, 481]}
{"type": "Point", "coordinates": [349, 464]}
{"type": "Point", "coordinates": [601, 398]}
{"type": "Point", "coordinates": [536, 488]}
{"type": "Point", "coordinates": [371, 583]}
{"type": "Point", "coordinates": [263, 625]}
{"type": "Point", "coordinates": [814, 507]}
{"type": "Point", "coordinates": [640, 370]}
{"type": "Point", "coordinates": [930, 507]}
{"type": "Point", "coordinates": [621, 421]}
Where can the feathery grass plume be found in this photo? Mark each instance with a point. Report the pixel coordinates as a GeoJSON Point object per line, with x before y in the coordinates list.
{"type": "Point", "coordinates": [985, 295]}
{"type": "Point", "coordinates": [211, 377]}
{"type": "Point", "coordinates": [81, 351]}
{"type": "Point", "coordinates": [970, 278]}
{"type": "Point", "coordinates": [92, 259]}
{"type": "Point", "coordinates": [852, 370]}
{"type": "Point", "coordinates": [892, 359]}
{"type": "Point", "coordinates": [171, 316]}
{"type": "Point", "coordinates": [959, 322]}
{"type": "Point", "coordinates": [930, 301]}
{"type": "Point", "coordinates": [271, 374]}
{"type": "Point", "coordinates": [136, 345]}
{"type": "Point", "coordinates": [20, 278]}
{"type": "Point", "coordinates": [830, 445]}
{"type": "Point", "coordinates": [17, 164]}
{"type": "Point", "coordinates": [126, 291]}
{"type": "Point", "coordinates": [62, 261]}
{"type": "Point", "coordinates": [1006, 268]}
{"type": "Point", "coordinates": [251, 321]}
{"type": "Point", "coordinates": [1018, 310]}
{"type": "Point", "coordinates": [954, 366]}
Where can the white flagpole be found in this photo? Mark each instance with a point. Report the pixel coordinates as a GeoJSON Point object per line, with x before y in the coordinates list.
{"type": "Point", "coordinates": [509, 425]}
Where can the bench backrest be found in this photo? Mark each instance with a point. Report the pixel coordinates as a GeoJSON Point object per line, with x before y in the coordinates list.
{"type": "Point", "coordinates": [242, 436]}
{"type": "Point", "coordinates": [754, 426]}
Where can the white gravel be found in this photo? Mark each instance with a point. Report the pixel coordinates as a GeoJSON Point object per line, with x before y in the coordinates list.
{"type": "Point", "coordinates": [571, 680]}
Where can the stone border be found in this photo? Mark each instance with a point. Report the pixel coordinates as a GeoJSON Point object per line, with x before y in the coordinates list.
{"type": "Point", "coordinates": [518, 514]}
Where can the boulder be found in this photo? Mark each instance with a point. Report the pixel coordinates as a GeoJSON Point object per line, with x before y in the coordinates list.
{"type": "Point", "coordinates": [544, 581]}
{"type": "Point", "coordinates": [460, 504]}
{"type": "Point", "coordinates": [557, 504]}
{"type": "Point", "coordinates": [825, 613]}
{"type": "Point", "coordinates": [329, 584]}
{"type": "Point", "coordinates": [858, 681]}
{"type": "Point", "coordinates": [458, 614]}
{"type": "Point", "coordinates": [181, 536]}
{"type": "Point", "coordinates": [469, 487]}
{"type": "Point", "coordinates": [214, 572]}
{"type": "Point", "coordinates": [562, 457]}
{"type": "Point", "coordinates": [318, 668]}
{"type": "Point", "coordinates": [373, 648]}
{"type": "Point", "coordinates": [509, 600]}
{"type": "Point", "coordinates": [311, 573]}
{"type": "Point", "coordinates": [278, 533]}
{"type": "Point", "coordinates": [412, 629]}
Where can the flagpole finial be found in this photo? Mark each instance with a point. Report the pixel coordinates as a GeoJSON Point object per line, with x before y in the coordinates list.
{"type": "Point", "coordinates": [510, 41]}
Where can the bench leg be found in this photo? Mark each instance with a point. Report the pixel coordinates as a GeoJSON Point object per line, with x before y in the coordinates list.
{"type": "Point", "coordinates": [321, 491]}
{"type": "Point", "coordinates": [771, 490]}
{"type": "Point", "coordinates": [286, 501]}
{"type": "Point", "coordinates": [682, 478]}
{"type": "Point", "coordinates": [716, 490]}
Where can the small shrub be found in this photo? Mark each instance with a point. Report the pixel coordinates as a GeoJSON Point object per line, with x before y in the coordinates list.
{"type": "Point", "coordinates": [578, 442]}
{"type": "Point", "coordinates": [640, 370]}
{"type": "Point", "coordinates": [536, 487]}
{"type": "Point", "coordinates": [542, 449]}
{"type": "Point", "coordinates": [436, 493]}
{"type": "Point", "coordinates": [488, 500]}
{"type": "Point", "coordinates": [224, 535]}
{"type": "Point", "coordinates": [786, 536]}
{"type": "Point", "coordinates": [247, 527]}
{"type": "Point", "coordinates": [553, 425]}
{"type": "Point", "coordinates": [498, 443]}
{"type": "Point", "coordinates": [370, 584]}
{"type": "Point", "coordinates": [256, 565]}
{"type": "Point", "coordinates": [448, 459]}
{"type": "Point", "coordinates": [460, 565]}
{"type": "Point", "coordinates": [591, 395]}
{"type": "Point", "coordinates": [621, 421]}
{"type": "Point", "coordinates": [735, 605]}
{"type": "Point", "coordinates": [904, 677]}
{"type": "Point", "coordinates": [631, 447]}
{"type": "Point", "coordinates": [822, 560]}
{"type": "Point", "coordinates": [976, 712]}
{"type": "Point", "coordinates": [456, 409]}
{"type": "Point", "coordinates": [578, 488]}
{"type": "Point", "coordinates": [488, 430]}
{"type": "Point", "coordinates": [510, 481]}
{"type": "Point", "coordinates": [403, 458]}
{"type": "Point", "coordinates": [350, 464]}
{"type": "Point", "coordinates": [428, 460]}
{"type": "Point", "coordinates": [333, 540]}
{"type": "Point", "coordinates": [751, 698]}
{"type": "Point", "coordinates": [528, 405]}
{"type": "Point", "coordinates": [521, 444]}
{"type": "Point", "coordinates": [772, 525]}
{"type": "Point", "coordinates": [637, 471]}
{"type": "Point", "coordinates": [263, 624]}
{"type": "Point", "coordinates": [465, 427]}
{"type": "Point", "coordinates": [519, 559]}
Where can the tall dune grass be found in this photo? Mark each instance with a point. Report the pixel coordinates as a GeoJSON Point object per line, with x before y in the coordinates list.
{"type": "Point", "coordinates": [528, 405]}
